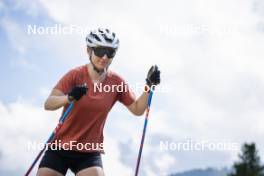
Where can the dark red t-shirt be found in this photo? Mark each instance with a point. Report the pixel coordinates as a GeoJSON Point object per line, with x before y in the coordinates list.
{"type": "Point", "coordinates": [85, 122]}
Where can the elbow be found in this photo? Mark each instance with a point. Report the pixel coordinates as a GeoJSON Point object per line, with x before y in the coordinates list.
{"type": "Point", "coordinates": [47, 106]}
{"type": "Point", "coordinates": [138, 113]}
{"type": "Point", "coordinates": [136, 110]}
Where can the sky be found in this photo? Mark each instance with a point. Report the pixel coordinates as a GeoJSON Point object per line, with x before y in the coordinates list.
{"type": "Point", "coordinates": [210, 54]}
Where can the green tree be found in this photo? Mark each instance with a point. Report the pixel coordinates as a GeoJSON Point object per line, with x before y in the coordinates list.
{"type": "Point", "coordinates": [249, 163]}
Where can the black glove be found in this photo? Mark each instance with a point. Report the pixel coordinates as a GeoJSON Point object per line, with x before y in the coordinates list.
{"type": "Point", "coordinates": [153, 77]}
{"type": "Point", "coordinates": [77, 92]}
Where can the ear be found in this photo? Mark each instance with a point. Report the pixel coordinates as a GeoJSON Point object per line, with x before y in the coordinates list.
{"type": "Point", "coordinates": [89, 51]}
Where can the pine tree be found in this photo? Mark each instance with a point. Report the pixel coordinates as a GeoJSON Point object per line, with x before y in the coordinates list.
{"type": "Point", "coordinates": [249, 162]}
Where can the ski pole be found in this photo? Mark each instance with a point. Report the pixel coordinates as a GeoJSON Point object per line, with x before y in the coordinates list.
{"type": "Point", "coordinates": [144, 132]}
{"type": "Point", "coordinates": [51, 138]}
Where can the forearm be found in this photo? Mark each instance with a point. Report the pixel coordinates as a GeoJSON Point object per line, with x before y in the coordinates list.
{"type": "Point", "coordinates": [141, 104]}
{"type": "Point", "coordinates": [56, 102]}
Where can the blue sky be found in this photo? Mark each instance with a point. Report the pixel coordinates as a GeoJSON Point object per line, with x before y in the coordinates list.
{"type": "Point", "coordinates": [22, 56]}
{"type": "Point", "coordinates": [210, 54]}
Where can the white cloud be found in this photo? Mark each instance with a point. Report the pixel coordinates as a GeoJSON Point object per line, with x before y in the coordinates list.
{"type": "Point", "coordinates": [44, 92]}
{"type": "Point", "coordinates": [217, 74]}
{"type": "Point", "coordinates": [111, 160]}
{"type": "Point", "coordinates": [165, 163]}
{"type": "Point", "coordinates": [23, 122]}
{"type": "Point", "coordinates": [31, 8]}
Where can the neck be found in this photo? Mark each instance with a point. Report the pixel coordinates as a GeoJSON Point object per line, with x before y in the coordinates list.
{"type": "Point", "coordinates": [94, 75]}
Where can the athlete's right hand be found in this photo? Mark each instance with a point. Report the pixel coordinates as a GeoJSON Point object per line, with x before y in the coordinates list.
{"type": "Point", "coordinates": [77, 93]}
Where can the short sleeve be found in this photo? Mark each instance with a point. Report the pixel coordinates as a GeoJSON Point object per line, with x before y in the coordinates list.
{"type": "Point", "coordinates": [66, 83]}
{"type": "Point", "coordinates": [127, 96]}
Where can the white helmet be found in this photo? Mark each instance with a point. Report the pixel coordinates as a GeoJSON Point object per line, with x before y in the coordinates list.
{"type": "Point", "coordinates": [102, 37]}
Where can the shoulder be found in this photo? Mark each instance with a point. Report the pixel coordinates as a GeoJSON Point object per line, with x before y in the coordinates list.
{"type": "Point", "coordinates": [75, 74]}
{"type": "Point", "coordinates": [78, 70]}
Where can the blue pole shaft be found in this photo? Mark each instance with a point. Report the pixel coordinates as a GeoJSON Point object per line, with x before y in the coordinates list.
{"type": "Point", "coordinates": [50, 139]}
{"type": "Point", "coordinates": [144, 133]}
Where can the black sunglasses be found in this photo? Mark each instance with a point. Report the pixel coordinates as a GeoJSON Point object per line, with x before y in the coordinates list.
{"type": "Point", "coordinates": [101, 51]}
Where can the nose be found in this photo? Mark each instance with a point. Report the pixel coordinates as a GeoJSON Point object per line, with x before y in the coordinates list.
{"type": "Point", "coordinates": [105, 57]}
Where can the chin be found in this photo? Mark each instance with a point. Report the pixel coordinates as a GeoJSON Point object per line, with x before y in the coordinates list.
{"type": "Point", "coordinates": [100, 67]}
